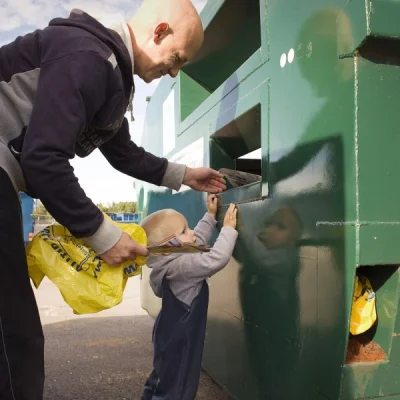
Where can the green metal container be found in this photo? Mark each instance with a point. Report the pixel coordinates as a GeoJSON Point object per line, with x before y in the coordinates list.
{"type": "Point", "coordinates": [311, 91]}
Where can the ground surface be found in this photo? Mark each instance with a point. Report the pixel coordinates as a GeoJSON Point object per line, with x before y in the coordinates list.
{"type": "Point", "coordinates": [106, 356]}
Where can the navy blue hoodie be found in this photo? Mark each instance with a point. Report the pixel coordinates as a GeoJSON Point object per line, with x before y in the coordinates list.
{"type": "Point", "coordinates": [64, 91]}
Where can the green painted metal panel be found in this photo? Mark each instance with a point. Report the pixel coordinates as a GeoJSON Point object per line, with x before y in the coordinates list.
{"type": "Point", "coordinates": [378, 243]}
{"type": "Point", "coordinates": [323, 78]}
{"type": "Point", "coordinates": [233, 34]}
{"type": "Point", "coordinates": [372, 18]}
{"type": "Point", "coordinates": [334, 281]}
{"type": "Point", "coordinates": [378, 94]}
{"type": "Point", "coordinates": [192, 94]}
{"type": "Point", "coordinates": [384, 18]}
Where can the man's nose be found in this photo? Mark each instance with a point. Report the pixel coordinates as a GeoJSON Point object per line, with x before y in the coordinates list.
{"type": "Point", "coordinates": [173, 72]}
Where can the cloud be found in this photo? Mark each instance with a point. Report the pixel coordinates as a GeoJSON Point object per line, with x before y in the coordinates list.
{"type": "Point", "coordinates": [18, 14]}
{"type": "Point", "coordinates": [199, 4]}
{"type": "Point", "coordinates": [105, 7]}
{"type": "Point", "coordinates": [38, 13]}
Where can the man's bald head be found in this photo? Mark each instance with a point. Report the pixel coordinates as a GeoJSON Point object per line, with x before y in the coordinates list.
{"type": "Point", "coordinates": [166, 35]}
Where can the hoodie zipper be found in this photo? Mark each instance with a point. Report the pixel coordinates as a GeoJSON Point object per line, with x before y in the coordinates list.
{"type": "Point", "coordinates": [130, 106]}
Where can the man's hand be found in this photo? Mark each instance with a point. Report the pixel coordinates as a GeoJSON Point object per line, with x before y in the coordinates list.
{"type": "Point", "coordinates": [212, 204]}
{"type": "Point", "coordinates": [204, 180]}
{"type": "Point", "coordinates": [125, 249]}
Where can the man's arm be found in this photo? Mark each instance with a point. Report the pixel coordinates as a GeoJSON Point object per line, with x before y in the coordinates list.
{"type": "Point", "coordinates": [71, 90]}
{"type": "Point", "coordinates": [125, 156]}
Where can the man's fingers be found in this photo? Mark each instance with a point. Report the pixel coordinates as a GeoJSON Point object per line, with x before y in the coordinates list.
{"type": "Point", "coordinates": [213, 189]}
{"type": "Point", "coordinates": [220, 182]}
{"type": "Point", "coordinates": [137, 250]}
{"type": "Point", "coordinates": [114, 262]}
{"type": "Point", "coordinates": [217, 184]}
{"type": "Point", "coordinates": [215, 173]}
{"type": "Point", "coordinates": [132, 255]}
{"type": "Point", "coordinates": [141, 250]}
{"type": "Point", "coordinates": [126, 249]}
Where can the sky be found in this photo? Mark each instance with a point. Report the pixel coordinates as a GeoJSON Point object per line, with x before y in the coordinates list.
{"type": "Point", "coordinates": [99, 180]}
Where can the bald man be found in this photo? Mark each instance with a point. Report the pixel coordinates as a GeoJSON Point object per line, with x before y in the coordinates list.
{"type": "Point", "coordinates": [64, 91]}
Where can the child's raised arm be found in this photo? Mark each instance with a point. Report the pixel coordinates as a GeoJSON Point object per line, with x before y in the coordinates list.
{"type": "Point", "coordinates": [199, 266]}
{"type": "Point", "coordinates": [205, 228]}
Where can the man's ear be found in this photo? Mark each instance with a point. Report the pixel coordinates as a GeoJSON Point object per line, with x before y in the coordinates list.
{"type": "Point", "coordinates": [161, 31]}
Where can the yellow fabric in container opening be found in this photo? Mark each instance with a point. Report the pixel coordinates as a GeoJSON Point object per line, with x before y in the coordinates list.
{"type": "Point", "coordinates": [86, 282]}
{"type": "Point", "coordinates": [363, 310]}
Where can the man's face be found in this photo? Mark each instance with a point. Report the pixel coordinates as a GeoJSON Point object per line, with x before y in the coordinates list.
{"type": "Point", "coordinates": [167, 54]}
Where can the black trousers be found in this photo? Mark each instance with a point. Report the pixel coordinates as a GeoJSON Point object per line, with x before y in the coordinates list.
{"type": "Point", "coordinates": [178, 340]}
{"type": "Point", "coordinates": [21, 335]}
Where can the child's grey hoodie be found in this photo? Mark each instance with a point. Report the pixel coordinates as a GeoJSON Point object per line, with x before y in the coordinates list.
{"type": "Point", "coordinates": [186, 272]}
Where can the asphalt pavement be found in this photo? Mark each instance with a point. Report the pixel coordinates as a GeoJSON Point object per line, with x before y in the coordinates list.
{"type": "Point", "coordinates": [104, 356]}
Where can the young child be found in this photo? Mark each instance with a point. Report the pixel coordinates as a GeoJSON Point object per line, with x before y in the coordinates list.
{"type": "Point", "coordinates": [180, 279]}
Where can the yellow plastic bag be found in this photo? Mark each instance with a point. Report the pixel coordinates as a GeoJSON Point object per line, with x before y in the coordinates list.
{"type": "Point", "coordinates": [87, 283]}
{"type": "Point", "coordinates": [363, 311]}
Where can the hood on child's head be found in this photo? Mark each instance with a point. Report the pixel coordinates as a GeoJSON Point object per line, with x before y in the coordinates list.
{"type": "Point", "coordinates": [164, 223]}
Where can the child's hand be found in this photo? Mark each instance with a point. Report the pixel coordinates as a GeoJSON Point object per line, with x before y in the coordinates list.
{"type": "Point", "coordinates": [212, 204]}
{"type": "Point", "coordinates": [230, 216]}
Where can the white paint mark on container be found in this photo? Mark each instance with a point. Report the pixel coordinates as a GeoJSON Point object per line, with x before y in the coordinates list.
{"type": "Point", "coordinates": [290, 56]}
{"type": "Point", "coordinates": [283, 60]}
